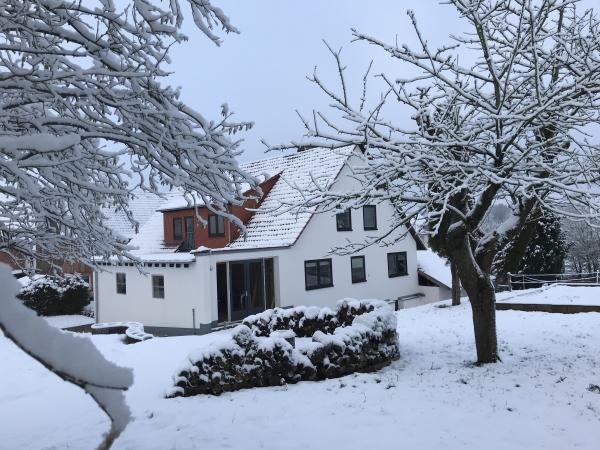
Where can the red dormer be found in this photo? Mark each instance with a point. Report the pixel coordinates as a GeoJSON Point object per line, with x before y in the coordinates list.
{"type": "Point", "coordinates": [183, 230]}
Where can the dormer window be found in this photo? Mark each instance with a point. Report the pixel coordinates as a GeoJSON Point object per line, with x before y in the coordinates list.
{"type": "Point", "coordinates": [177, 229]}
{"type": "Point", "coordinates": [216, 225]}
{"type": "Point", "coordinates": [344, 221]}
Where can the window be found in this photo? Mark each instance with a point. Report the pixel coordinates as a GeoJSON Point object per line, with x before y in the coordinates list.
{"type": "Point", "coordinates": [397, 264]}
{"type": "Point", "coordinates": [158, 286]}
{"type": "Point", "coordinates": [357, 267]}
{"type": "Point", "coordinates": [121, 283]}
{"type": "Point", "coordinates": [344, 221]}
{"type": "Point", "coordinates": [370, 217]}
{"type": "Point", "coordinates": [318, 274]}
{"type": "Point", "coordinates": [216, 225]}
{"type": "Point", "coordinates": [177, 229]}
{"type": "Point", "coordinates": [189, 233]}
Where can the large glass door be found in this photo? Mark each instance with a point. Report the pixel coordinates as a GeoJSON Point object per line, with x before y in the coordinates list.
{"type": "Point", "coordinates": [247, 288]}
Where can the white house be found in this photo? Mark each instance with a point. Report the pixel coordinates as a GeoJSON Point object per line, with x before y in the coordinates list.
{"type": "Point", "coordinates": [198, 278]}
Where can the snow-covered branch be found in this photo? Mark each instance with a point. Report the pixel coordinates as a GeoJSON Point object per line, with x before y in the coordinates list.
{"type": "Point", "coordinates": [85, 120]}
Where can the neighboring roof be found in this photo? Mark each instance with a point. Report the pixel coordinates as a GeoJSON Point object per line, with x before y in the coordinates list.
{"type": "Point", "coordinates": [434, 267]}
{"type": "Point", "coordinates": [142, 206]}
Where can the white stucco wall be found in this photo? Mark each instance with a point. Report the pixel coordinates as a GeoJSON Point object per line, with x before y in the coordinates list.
{"type": "Point", "coordinates": [184, 290]}
{"type": "Point", "coordinates": [435, 294]}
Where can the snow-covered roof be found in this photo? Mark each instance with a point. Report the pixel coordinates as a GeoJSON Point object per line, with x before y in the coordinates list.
{"type": "Point", "coordinates": [435, 267]}
{"type": "Point", "coordinates": [264, 230]}
{"type": "Point", "coordinates": [282, 229]}
{"type": "Point", "coordinates": [177, 200]}
{"type": "Point", "coordinates": [142, 206]}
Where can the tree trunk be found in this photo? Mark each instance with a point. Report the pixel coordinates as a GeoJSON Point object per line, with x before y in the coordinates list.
{"type": "Point", "coordinates": [474, 277]}
{"type": "Point", "coordinates": [455, 284]}
{"type": "Point", "coordinates": [483, 305]}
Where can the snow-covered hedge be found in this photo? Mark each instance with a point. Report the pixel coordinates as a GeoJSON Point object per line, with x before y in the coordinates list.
{"type": "Point", "coordinates": [52, 296]}
{"type": "Point", "coordinates": [357, 336]}
{"type": "Point", "coordinates": [306, 320]}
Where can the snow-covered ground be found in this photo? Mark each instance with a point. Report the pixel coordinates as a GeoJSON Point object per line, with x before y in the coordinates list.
{"type": "Point", "coordinates": [68, 321]}
{"type": "Point", "coordinates": [432, 398]}
{"type": "Point", "coordinates": [554, 295]}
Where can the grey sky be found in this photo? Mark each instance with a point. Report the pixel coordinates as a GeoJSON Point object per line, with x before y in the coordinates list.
{"type": "Point", "coordinates": [261, 73]}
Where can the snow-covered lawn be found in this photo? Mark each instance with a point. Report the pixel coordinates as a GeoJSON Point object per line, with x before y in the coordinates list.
{"type": "Point", "coordinates": [68, 321]}
{"type": "Point", "coordinates": [555, 295]}
{"type": "Point", "coordinates": [432, 398]}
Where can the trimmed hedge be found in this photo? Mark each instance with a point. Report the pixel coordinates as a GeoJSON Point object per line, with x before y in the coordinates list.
{"type": "Point", "coordinates": [54, 296]}
{"type": "Point", "coordinates": [360, 336]}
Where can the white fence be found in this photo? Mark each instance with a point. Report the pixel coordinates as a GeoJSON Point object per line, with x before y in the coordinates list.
{"type": "Point", "coordinates": [532, 280]}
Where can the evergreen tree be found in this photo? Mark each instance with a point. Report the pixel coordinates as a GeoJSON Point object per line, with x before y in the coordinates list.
{"type": "Point", "coordinates": [547, 250]}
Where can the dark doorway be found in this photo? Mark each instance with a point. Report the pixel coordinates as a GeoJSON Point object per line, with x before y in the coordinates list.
{"type": "Point", "coordinates": [251, 288]}
{"type": "Point", "coordinates": [247, 286]}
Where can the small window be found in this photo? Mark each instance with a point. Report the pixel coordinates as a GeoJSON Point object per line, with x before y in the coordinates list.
{"type": "Point", "coordinates": [216, 225]}
{"type": "Point", "coordinates": [344, 221]}
{"type": "Point", "coordinates": [177, 229]}
{"type": "Point", "coordinates": [357, 268]}
{"type": "Point", "coordinates": [121, 283]}
{"type": "Point", "coordinates": [189, 233]}
{"type": "Point", "coordinates": [158, 286]}
{"type": "Point", "coordinates": [397, 264]}
{"type": "Point", "coordinates": [318, 274]}
{"type": "Point", "coordinates": [370, 217]}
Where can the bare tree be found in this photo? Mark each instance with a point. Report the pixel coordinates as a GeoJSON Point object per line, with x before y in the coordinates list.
{"type": "Point", "coordinates": [583, 241]}
{"type": "Point", "coordinates": [84, 121]}
{"type": "Point", "coordinates": [510, 127]}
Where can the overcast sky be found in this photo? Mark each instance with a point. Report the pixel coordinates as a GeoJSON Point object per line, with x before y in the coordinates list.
{"type": "Point", "coordinates": [261, 73]}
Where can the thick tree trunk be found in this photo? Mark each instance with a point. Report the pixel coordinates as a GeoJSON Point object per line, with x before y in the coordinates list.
{"type": "Point", "coordinates": [483, 305]}
{"type": "Point", "coordinates": [455, 284]}
{"type": "Point", "coordinates": [474, 277]}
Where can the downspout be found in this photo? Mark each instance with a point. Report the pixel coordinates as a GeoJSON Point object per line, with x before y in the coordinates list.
{"type": "Point", "coordinates": [96, 299]}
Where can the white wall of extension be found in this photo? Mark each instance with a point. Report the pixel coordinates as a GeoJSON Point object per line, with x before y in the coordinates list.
{"type": "Point", "coordinates": [184, 292]}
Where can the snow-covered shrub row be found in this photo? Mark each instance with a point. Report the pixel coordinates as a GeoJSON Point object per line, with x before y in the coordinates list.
{"type": "Point", "coordinates": [133, 331]}
{"type": "Point", "coordinates": [52, 296]}
{"type": "Point", "coordinates": [252, 359]}
{"type": "Point", "coordinates": [306, 320]}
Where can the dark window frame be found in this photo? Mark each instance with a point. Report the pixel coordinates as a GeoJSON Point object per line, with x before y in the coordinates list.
{"type": "Point", "coordinates": [155, 286]}
{"type": "Point", "coordinates": [180, 237]}
{"type": "Point", "coordinates": [347, 212]}
{"type": "Point", "coordinates": [364, 270]}
{"type": "Point", "coordinates": [397, 274]}
{"type": "Point", "coordinates": [121, 284]}
{"type": "Point", "coordinates": [190, 235]}
{"type": "Point", "coordinates": [318, 263]}
{"type": "Point", "coordinates": [216, 218]}
{"type": "Point", "coordinates": [374, 209]}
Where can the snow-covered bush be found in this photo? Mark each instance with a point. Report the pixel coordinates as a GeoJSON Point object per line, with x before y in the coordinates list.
{"type": "Point", "coordinates": [357, 336]}
{"type": "Point", "coordinates": [306, 320]}
{"type": "Point", "coordinates": [52, 296]}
